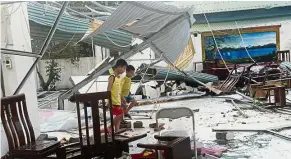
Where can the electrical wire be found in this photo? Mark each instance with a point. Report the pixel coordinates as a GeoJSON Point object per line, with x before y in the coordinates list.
{"type": "Point", "coordinates": [118, 44]}
{"type": "Point", "coordinates": [69, 40]}
{"type": "Point", "coordinates": [215, 42]}
{"type": "Point", "coordinates": [244, 43]}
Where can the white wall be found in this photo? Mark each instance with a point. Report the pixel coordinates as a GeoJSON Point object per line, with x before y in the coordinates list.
{"type": "Point", "coordinates": [285, 36]}
{"type": "Point", "coordinates": [285, 44]}
{"type": "Point", "coordinates": [18, 38]}
{"type": "Point", "coordinates": [68, 69]}
{"type": "Point", "coordinates": [86, 64]}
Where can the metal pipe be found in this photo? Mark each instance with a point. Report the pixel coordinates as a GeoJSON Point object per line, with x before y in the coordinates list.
{"type": "Point", "coordinates": [96, 73]}
{"type": "Point", "coordinates": [99, 71]}
{"type": "Point", "coordinates": [97, 12]}
{"type": "Point", "coordinates": [2, 83]}
{"type": "Point", "coordinates": [44, 47]}
{"type": "Point", "coordinates": [73, 10]}
{"type": "Point", "coordinates": [278, 135]}
{"type": "Point", "coordinates": [10, 2]}
{"type": "Point", "coordinates": [238, 109]}
{"type": "Point", "coordinates": [20, 53]}
{"type": "Point", "coordinates": [157, 51]}
{"type": "Point", "coordinates": [106, 8]}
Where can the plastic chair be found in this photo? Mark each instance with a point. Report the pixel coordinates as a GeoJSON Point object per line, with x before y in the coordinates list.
{"type": "Point", "coordinates": [175, 113]}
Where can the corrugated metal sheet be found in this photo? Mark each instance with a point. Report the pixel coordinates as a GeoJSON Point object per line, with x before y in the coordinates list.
{"type": "Point", "coordinates": [41, 19]}
{"type": "Point", "coordinates": [242, 24]}
{"type": "Point", "coordinates": [160, 73]}
{"type": "Point", "coordinates": [285, 64]}
{"type": "Point", "coordinates": [243, 15]}
{"type": "Point", "coordinates": [222, 6]}
{"type": "Point", "coordinates": [146, 19]}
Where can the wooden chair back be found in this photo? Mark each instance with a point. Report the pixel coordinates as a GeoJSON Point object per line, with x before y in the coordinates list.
{"type": "Point", "coordinates": [232, 79]}
{"type": "Point", "coordinates": [16, 122]}
{"type": "Point", "coordinates": [94, 101]}
{"type": "Point", "coordinates": [284, 55]}
{"type": "Point", "coordinates": [171, 147]}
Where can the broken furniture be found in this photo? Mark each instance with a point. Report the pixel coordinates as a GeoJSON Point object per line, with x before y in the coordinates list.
{"type": "Point", "coordinates": [257, 91]}
{"type": "Point", "coordinates": [94, 143]}
{"type": "Point", "coordinates": [172, 147]}
{"type": "Point", "coordinates": [232, 79]}
{"type": "Point", "coordinates": [160, 73]}
{"type": "Point", "coordinates": [175, 113]}
{"type": "Point", "coordinates": [19, 131]}
{"type": "Point", "coordinates": [284, 55]}
{"type": "Point", "coordinates": [279, 94]}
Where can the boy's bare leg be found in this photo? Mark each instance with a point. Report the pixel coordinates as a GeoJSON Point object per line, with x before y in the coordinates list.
{"type": "Point", "coordinates": [116, 122]}
{"type": "Point", "coordinates": [132, 103]}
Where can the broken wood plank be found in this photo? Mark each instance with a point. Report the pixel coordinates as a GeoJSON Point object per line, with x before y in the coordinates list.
{"type": "Point", "coordinates": [244, 96]}
{"type": "Point", "coordinates": [239, 110]}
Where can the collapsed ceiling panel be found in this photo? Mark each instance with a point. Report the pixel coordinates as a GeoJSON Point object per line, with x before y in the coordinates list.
{"type": "Point", "coordinates": [144, 19]}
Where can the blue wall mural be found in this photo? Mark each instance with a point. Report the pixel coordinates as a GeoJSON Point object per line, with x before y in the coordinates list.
{"type": "Point", "coordinates": [261, 46]}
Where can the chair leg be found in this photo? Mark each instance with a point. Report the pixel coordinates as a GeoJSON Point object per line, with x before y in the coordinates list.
{"type": "Point", "coordinates": [109, 155]}
{"type": "Point", "coordinates": [61, 153]}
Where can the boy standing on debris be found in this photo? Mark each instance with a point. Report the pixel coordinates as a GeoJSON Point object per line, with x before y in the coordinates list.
{"type": "Point", "coordinates": [114, 87]}
{"type": "Point", "coordinates": [125, 91]}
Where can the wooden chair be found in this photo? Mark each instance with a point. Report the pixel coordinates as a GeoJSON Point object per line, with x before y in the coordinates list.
{"type": "Point", "coordinates": [19, 131]}
{"type": "Point", "coordinates": [279, 94]}
{"type": "Point", "coordinates": [93, 143]}
{"type": "Point", "coordinates": [232, 79]}
{"type": "Point", "coordinates": [172, 147]}
{"type": "Point", "coordinates": [284, 55]}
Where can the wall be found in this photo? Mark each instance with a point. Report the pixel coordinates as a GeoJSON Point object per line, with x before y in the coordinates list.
{"type": "Point", "coordinates": [68, 69]}
{"type": "Point", "coordinates": [15, 35]}
{"type": "Point", "coordinates": [285, 44]}
{"type": "Point", "coordinates": [285, 36]}
{"type": "Point", "coordinates": [86, 64]}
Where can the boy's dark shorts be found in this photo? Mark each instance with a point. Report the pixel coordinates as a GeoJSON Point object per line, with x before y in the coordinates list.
{"type": "Point", "coordinates": [128, 99]}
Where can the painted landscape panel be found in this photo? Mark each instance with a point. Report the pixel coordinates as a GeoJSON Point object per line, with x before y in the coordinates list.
{"type": "Point", "coordinates": [261, 46]}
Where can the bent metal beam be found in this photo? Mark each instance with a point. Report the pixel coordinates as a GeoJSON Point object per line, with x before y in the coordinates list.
{"type": "Point", "coordinates": [101, 69]}
{"type": "Point", "coordinates": [44, 47]}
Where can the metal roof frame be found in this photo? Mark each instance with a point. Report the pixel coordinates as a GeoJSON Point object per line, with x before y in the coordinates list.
{"type": "Point", "coordinates": [20, 53]}
{"type": "Point", "coordinates": [44, 47]}
{"type": "Point", "coordinates": [251, 14]}
{"type": "Point", "coordinates": [73, 28]}
{"type": "Point", "coordinates": [147, 42]}
{"type": "Point", "coordinates": [104, 67]}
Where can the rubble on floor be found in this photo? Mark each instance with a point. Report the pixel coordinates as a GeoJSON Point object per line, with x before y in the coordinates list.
{"type": "Point", "coordinates": [213, 113]}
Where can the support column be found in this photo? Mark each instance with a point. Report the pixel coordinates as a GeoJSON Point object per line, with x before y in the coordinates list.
{"type": "Point", "coordinates": [16, 35]}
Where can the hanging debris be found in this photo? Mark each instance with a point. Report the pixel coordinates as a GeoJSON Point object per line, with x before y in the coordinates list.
{"type": "Point", "coordinates": [159, 73]}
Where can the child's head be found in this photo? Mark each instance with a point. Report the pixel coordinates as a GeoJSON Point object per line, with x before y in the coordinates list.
{"type": "Point", "coordinates": [130, 70]}
{"type": "Point", "coordinates": [120, 66]}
